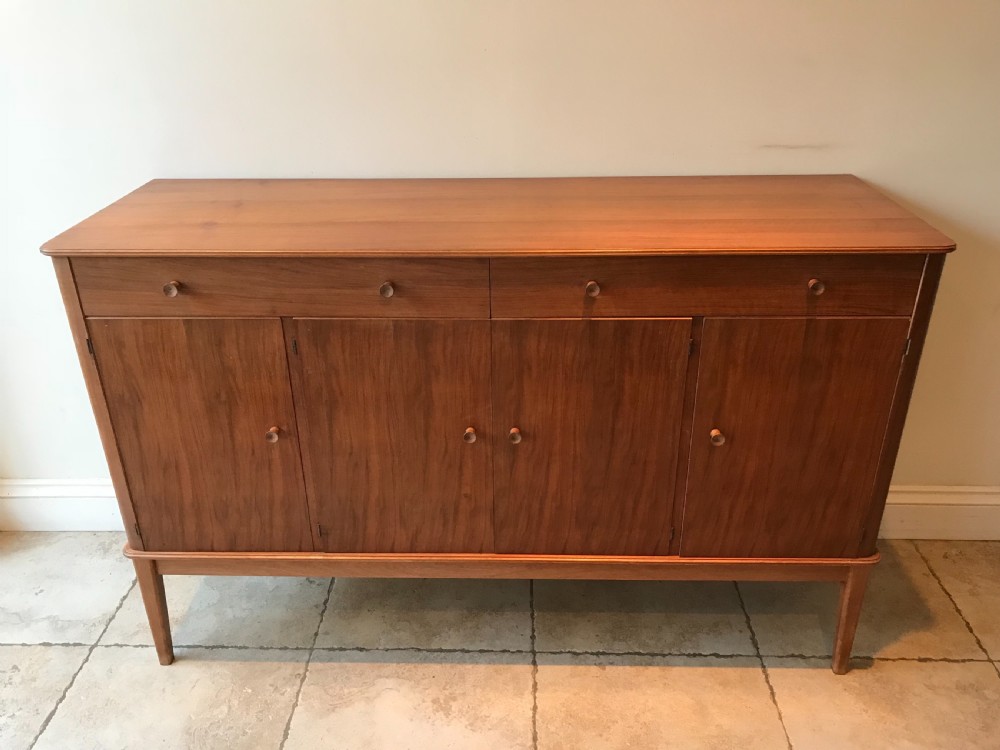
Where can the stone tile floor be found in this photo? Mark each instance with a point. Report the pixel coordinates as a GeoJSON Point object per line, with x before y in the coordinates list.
{"type": "Point", "coordinates": [310, 663]}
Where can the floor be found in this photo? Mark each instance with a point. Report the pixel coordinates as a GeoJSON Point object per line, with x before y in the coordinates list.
{"type": "Point", "coordinates": [311, 663]}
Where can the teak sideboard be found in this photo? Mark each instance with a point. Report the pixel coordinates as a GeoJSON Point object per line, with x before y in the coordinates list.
{"type": "Point", "coordinates": [619, 378]}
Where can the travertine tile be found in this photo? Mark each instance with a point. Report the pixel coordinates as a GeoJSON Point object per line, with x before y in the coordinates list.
{"type": "Point", "coordinates": [905, 614]}
{"type": "Point", "coordinates": [890, 705]}
{"type": "Point", "coordinates": [31, 680]}
{"type": "Point", "coordinates": [123, 699]}
{"type": "Point", "coordinates": [645, 616]}
{"type": "Point", "coordinates": [427, 613]}
{"type": "Point", "coordinates": [971, 573]}
{"type": "Point", "coordinates": [400, 700]}
{"type": "Point", "coordinates": [640, 702]}
{"type": "Point", "coordinates": [60, 587]}
{"type": "Point", "coordinates": [229, 611]}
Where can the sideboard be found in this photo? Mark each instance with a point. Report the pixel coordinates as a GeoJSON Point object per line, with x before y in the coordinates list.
{"type": "Point", "coordinates": [607, 378]}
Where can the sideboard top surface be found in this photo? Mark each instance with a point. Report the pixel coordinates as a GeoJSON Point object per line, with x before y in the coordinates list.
{"type": "Point", "coordinates": [502, 217]}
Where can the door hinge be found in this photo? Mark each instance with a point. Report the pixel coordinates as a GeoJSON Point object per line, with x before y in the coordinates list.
{"type": "Point", "coordinates": [691, 347]}
{"type": "Point", "coordinates": [906, 349]}
{"type": "Point", "coordinates": [295, 346]}
{"type": "Point", "coordinates": [90, 347]}
{"type": "Point", "coordinates": [671, 537]}
{"type": "Point", "coordinates": [319, 529]}
{"type": "Point", "coordinates": [136, 527]}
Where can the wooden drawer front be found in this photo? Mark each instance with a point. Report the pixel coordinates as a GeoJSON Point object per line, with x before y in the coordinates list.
{"type": "Point", "coordinates": [685, 286]}
{"type": "Point", "coordinates": [304, 287]}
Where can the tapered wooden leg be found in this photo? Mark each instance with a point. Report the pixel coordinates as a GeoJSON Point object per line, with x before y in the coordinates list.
{"type": "Point", "coordinates": [154, 598]}
{"type": "Point", "coordinates": [852, 593]}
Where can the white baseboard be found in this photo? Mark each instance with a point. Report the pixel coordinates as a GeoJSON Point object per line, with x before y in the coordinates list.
{"type": "Point", "coordinates": [912, 512]}
{"type": "Point", "coordinates": [941, 512]}
{"type": "Point", "coordinates": [58, 505]}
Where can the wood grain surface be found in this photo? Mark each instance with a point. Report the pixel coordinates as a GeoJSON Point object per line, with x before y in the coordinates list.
{"type": "Point", "coordinates": [190, 402]}
{"type": "Point", "coordinates": [320, 287]}
{"type": "Point", "coordinates": [599, 406]}
{"type": "Point", "coordinates": [394, 565]}
{"type": "Point", "coordinates": [495, 217]}
{"type": "Point", "coordinates": [919, 324]}
{"type": "Point", "coordinates": [99, 404]}
{"type": "Point", "coordinates": [717, 286]}
{"type": "Point", "coordinates": [803, 406]}
{"type": "Point", "coordinates": [384, 406]}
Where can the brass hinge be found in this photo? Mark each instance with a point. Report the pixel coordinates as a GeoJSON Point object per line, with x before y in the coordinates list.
{"type": "Point", "coordinates": [295, 346]}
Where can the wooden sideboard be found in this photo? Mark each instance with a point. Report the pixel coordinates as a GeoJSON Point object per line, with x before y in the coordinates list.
{"type": "Point", "coordinates": [622, 378]}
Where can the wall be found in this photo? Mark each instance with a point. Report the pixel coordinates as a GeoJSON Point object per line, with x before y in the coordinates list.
{"type": "Point", "coordinates": [99, 97]}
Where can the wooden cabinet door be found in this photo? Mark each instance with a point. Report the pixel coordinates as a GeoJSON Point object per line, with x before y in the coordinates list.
{"type": "Point", "coordinates": [384, 407]}
{"type": "Point", "coordinates": [598, 404]}
{"type": "Point", "coordinates": [192, 403]}
{"type": "Point", "coordinates": [801, 406]}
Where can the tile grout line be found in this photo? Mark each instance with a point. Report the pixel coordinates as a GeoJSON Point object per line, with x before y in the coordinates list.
{"type": "Point", "coordinates": [763, 666]}
{"type": "Point", "coordinates": [968, 625]}
{"type": "Point", "coordinates": [547, 652]}
{"type": "Point", "coordinates": [72, 680]}
{"type": "Point", "coordinates": [534, 668]}
{"type": "Point", "coordinates": [305, 667]}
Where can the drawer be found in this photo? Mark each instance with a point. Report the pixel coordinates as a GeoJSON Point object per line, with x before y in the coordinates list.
{"type": "Point", "coordinates": [719, 285]}
{"type": "Point", "coordinates": [303, 287]}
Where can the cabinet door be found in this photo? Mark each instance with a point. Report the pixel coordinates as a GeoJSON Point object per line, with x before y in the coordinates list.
{"type": "Point", "coordinates": [385, 406]}
{"type": "Point", "coordinates": [598, 405]}
{"type": "Point", "coordinates": [192, 404]}
{"type": "Point", "coordinates": [801, 408]}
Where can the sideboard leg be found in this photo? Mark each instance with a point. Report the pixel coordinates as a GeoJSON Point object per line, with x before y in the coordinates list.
{"type": "Point", "coordinates": [154, 598]}
{"type": "Point", "coordinates": [852, 593]}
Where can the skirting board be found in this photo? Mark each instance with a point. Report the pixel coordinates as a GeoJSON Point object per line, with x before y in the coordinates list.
{"type": "Point", "coordinates": [913, 512]}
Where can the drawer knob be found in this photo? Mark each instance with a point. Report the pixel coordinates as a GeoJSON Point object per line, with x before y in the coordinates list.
{"type": "Point", "coordinates": [470, 435]}
{"type": "Point", "coordinates": [387, 289]}
{"type": "Point", "coordinates": [171, 289]}
{"type": "Point", "coordinates": [592, 289]}
{"type": "Point", "coordinates": [717, 438]}
{"type": "Point", "coordinates": [816, 286]}
{"type": "Point", "coordinates": [514, 435]}
{"type": "Point", "coordinates": [272, 435]}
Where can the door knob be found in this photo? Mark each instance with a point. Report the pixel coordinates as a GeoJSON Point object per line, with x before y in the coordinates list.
{"type": "Point", "coordinates": [514, 435]}
{"type": "Point", "coordinates": [470, 435]}
{"type": "Point", "coordinates": [171, 288]}
{"type": "Point", "coordinates": [717, 437]}
{"type": "Point", "coordinates": [387, 289]}
{"type": "Point", "coordinates": [816, 286]}
{"type": "Point", "coordinates": [272, 435]}
{"type": "Point", "coordinates": [592, 289]}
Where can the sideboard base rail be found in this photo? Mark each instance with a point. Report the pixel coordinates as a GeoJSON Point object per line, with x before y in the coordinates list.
{"type": "Point", "coordinates": [851, 573]}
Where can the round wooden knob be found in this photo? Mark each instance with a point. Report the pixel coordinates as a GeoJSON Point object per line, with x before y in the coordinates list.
{"type": "Point", "coordinates": [816, 286]}
{"type": "Point", "coordinates": [717, 437]}
{"type": "Point", "coordinates": [272, 435]}
{"type": "Point", "coordinates": [514, 435]}
{"type": "Point", "coordinates": [171, 288]}
{"type": "Point", "coordinates": [592, 289]}
{"type": "Point", "coordinates": [470, 435]}
{"type": "Point", "coordinates": [387, 289]}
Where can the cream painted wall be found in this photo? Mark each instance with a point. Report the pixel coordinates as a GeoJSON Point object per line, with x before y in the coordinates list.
{"type": "Point", "coordinates": [100, 96]}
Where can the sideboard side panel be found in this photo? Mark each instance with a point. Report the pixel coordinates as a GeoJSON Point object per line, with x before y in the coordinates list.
{"type": "Point", "coordinates": [92, 379]}
{"type": "Point", "coordinates": [901, 402]}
